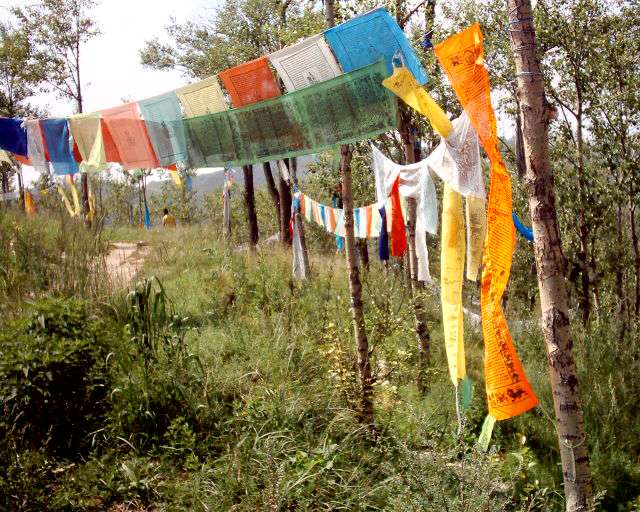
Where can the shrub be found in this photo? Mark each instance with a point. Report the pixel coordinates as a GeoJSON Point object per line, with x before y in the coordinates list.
{"type": "Point", "coordinates": [52, 378]}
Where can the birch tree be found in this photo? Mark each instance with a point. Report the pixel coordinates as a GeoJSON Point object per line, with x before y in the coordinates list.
{"type": "Point", "coordinates": [536, 113]}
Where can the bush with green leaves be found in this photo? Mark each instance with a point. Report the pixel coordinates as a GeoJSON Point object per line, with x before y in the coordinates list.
{"type": "Point", "coordinates": [52, 377]}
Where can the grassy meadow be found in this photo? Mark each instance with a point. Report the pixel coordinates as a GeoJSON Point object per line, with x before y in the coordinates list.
{"type": "Point", "coordinates": [215, 382]}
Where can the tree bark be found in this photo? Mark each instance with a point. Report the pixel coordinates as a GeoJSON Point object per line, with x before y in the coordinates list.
{"type": "Point", "coordinates": [636, 257]}
{"type": "Point", "coordinates": [86, 209]}
{"type": "Point", "coordinates": [416, 287]}
{"type": "Point", "coordinates": [550, 260]}
{"type": "Point", "coordinates": [330, 12]}
{"type": "Point", "coordinates": [273, 190]}
{"type": "Point", "coordinates": [21, 186]}
{"type": "Point", "coordinates": [355, 287]}
{"type": "Point", "coordinates": [250, 202]}
{"type": "Point", "coordinates": [363, 249]}
{"type": "Point", "coordinates": [284, 192]}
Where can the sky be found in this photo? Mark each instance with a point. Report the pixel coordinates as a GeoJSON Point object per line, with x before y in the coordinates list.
{"type": "Point", "coordinates": [110, 63]}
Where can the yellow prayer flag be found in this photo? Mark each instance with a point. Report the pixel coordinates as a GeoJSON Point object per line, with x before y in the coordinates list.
{"type": "Point", "coordinates": [29, 204]}
{"type": "Point", "coordinates": [203, 97]}
{"type": "Point", "coordinates": [452, 273]}
{"type": "Point", "coordinates": [175, 176]}
{"type": "Point", "coordinates": [86, 130]}
{"type": "Point", "coordinates": [403, 84]}
{"type": "Point", "coordinates": [508, 390]}
{"type": "Point", "coordinates": [476, 214]}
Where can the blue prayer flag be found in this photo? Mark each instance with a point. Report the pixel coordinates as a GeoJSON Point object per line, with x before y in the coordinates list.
{"type": "Point", "coordinates": [59, 146]}
{"type": "Point", "coordinates": [370, 37]}
{"type": "Point", "coordinates": [13, 136]}
{"type": "Point", "coordinates": [163, 117]}
{"type": "Point", "coordinates": [383, 241]}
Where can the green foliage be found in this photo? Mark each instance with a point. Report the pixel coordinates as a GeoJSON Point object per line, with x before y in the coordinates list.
{"type": "Point", "coordinates": [47, 255]}
{"type": "Point", "coordinates": [239, 31]}
{"type": "Point", "coordinates": [57, 31]}
{"type": "Point", "coordinates": [20, 74]}
{"type": "Point", "coordinates": [52, 378]}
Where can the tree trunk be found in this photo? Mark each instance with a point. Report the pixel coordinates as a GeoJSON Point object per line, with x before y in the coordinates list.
{"type": "Point", "coordinates": [250, 202]}
{"type": "Point", "coordinates": [330, 12]}
{"type": "Point", "coordinates": [636, 256]}
{"type": "Point", "coordinates": [619, 266]}
{"type": "Point", "coordinates": [355, 287]}
{"type": "Point", "coordinates": [86, 209]}
{"type": "Point", "coordinates": [284, 192]}
{"type": "Point", "coordinates": [273, 190]}
{"type": "Point", "coordinates": [20, 187]}
{"type": "Point", "coordinates": [550, 260]}
{"type": "Point", "coordinates": [585, 300]}
{"type": "Point", "coordinates": [416, 287]}
{"type": "Point", "coordinates": [363, 249]}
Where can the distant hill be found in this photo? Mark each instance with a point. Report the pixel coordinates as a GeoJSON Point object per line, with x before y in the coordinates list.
{"type": "Point", "coordinates": [209, 181]}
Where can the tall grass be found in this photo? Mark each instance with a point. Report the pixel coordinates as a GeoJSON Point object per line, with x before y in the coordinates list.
{"type": "Point", "coordinates": [256, 409]}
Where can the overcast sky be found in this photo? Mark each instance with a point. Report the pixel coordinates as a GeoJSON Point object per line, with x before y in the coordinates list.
{"type": "Point", "coordinates": [110, 65]}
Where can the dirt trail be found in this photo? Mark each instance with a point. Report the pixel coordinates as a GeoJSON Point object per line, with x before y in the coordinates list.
{"type": "Point", "coordinates": [125, 260]}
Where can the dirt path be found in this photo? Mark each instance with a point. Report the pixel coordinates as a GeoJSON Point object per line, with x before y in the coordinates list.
{"type": "Point", "coordinates": [125, 260]}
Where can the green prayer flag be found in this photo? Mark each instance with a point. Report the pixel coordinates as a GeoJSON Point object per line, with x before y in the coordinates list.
{"type": "Point", "coordinates": [487, 431]}
{"type": "Point", "coordinates": [346, 109]}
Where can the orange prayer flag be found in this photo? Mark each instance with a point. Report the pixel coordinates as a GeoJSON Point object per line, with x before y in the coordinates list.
{"type": "Point", "coordinates": [23, 160]}
{"type": "Point", "coordinates": [369, 219]}
{"type": "Point", "coordinates": [250, 82]}
{"type": "Point", "coordinates": [110, 150]}
{"type": "Point", "coordinates": [508, 391]}
{"type": "Point", "coordinates": [129, 136]}
{"type": "Point", "coordinates": [332, 219]}
{"type": "Point", "coordinates": [29, 204]}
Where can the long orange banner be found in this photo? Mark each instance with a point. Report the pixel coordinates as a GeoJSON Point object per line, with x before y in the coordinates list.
{"type": "Point", "coordinates": [508, 391]}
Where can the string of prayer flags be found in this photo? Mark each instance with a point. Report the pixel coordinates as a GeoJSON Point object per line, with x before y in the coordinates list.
{"type": "Point", "coordinates": [86, 130]}
{"type": "Point", "coordinates": [201, 98]}
{"type": "Point", "coordinates": [508, 391]}
{"type": "Point", "coordinates": [414, 181]}
{"type": "Point", "coordinates": [163, 117]}
{"type": "Point", "coordinates": [35, 146]}
{"type": "Point", "coordinates": [370, 37]}
{"type": "Point", "coordinates": [130, 136]}
{"type": "Point", "coordinates": [65, 200]}
{"type": "Point", "coordinates": [58, 145]}
{"type": "Point", "coordinates": [345, 109]}
{"type": "Point", "coordinates": [175, 176]}
{"type": "Point", "coordinates": [74, 193]}
{"type": "Point", "coordinates": [250, 82]}
{"type": "Point", "coordinates": [305, 63]}
{"type": "Point", "coordinates": [13, 136]}
{"type": "Point", "coordinates": [398, 232]}
{"type": "Point", "coordinates": [456, 160]}
{"type": "Point", "coordinates": [476, 217]}
{"type": "Point", "coordinates": [383, 240]}
{"type": "Point", "coordinates": [30, 207]}
{"type": "Point", "coordinates": [451, 277]}
{"type": "Point", "coordinates": [404, 85]}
